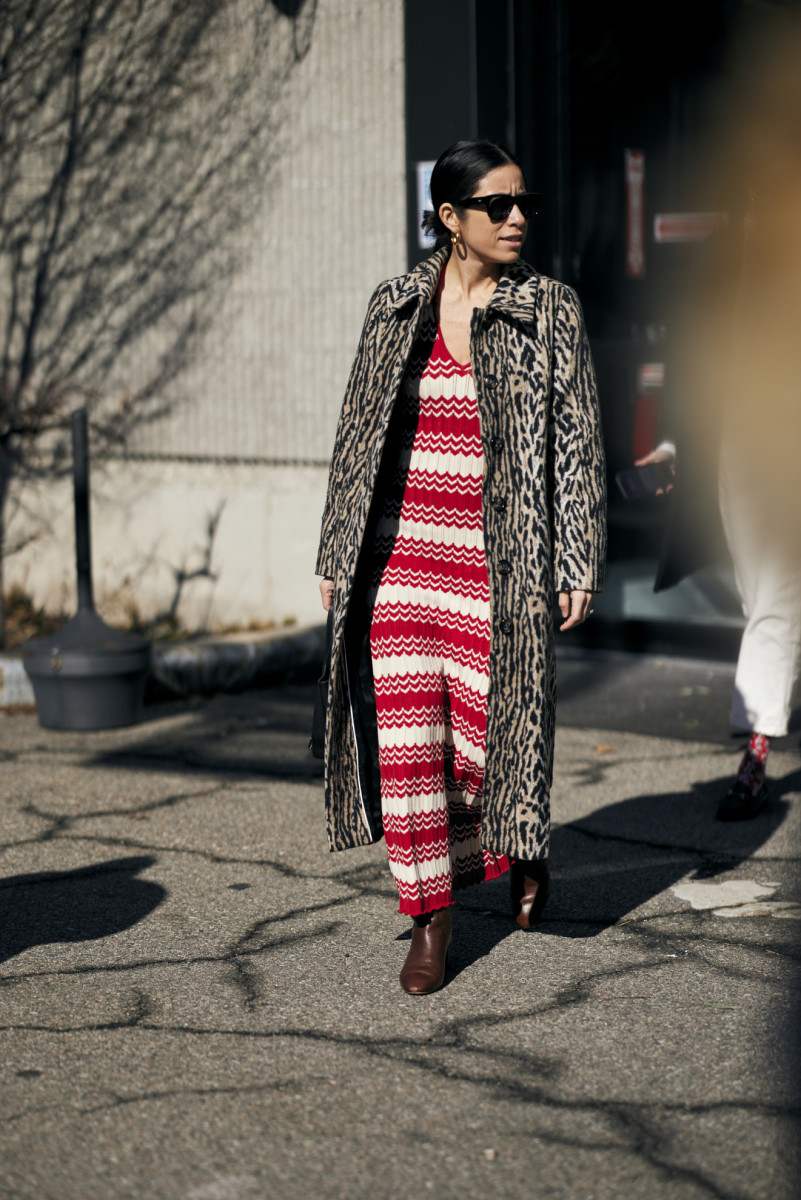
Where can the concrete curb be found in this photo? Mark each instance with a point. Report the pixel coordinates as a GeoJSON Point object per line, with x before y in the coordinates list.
{"type": "Point", "coordinates": [15, 686]}
{"type": "Point", "coordinates": [203, 667]}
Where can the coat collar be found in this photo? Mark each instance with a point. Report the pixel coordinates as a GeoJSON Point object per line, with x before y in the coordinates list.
{"type": "Point", "coordinates": [420, 283]}
{"type": "Point", "coordinates": [515, 295]}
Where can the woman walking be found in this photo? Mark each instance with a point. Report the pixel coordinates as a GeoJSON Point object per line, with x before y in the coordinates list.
{"type": "Point", "coordinates": [466, 490]}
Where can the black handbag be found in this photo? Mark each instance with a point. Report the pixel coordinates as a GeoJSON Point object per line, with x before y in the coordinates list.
{"type": "Point", "coordinates": [317, 739]}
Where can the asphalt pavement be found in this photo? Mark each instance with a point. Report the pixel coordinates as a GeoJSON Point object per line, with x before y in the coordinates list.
{"type": "Point", "coordinates": [199, 1002]}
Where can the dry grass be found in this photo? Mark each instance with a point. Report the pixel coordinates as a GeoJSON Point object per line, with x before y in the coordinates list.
{"type": "Point", "coordinates": [24, 620]}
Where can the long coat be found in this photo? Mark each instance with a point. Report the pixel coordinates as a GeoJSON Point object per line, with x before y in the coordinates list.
{"type": "Point", "coordinates": [544, 531]}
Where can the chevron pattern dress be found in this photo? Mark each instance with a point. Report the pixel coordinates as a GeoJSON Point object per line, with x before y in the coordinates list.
{"type": "Point", "coordinates": [430, 636]}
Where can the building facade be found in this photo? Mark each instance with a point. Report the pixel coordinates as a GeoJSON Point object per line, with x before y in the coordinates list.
{"type": "Point", "coordinates": [211, 512]}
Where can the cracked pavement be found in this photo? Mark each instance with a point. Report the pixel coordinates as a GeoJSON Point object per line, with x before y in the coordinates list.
{"type": "Point", "coordinates": [199, 1002]}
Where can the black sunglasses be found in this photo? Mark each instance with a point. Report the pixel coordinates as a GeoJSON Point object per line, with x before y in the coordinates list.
{"type": "Point", "coordinates": [499, 206]}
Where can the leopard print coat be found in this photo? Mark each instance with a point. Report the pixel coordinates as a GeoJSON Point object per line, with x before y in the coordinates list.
{"type": "Point", "coordinates": [544, 531]}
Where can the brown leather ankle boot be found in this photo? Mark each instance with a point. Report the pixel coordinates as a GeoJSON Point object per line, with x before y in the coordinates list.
{"type": "Point", "coordinates": [529, 885]}
{"type": "Point", "coordinates": [427, 960]}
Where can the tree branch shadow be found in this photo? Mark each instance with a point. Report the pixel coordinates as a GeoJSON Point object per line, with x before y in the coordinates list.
{"type": "Point", "coordinates": [75, 906]}
{"type": "Point", "coordinates": [613, 862]}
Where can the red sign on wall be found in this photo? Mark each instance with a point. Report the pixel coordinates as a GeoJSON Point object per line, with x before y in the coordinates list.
{"type": "Point", "coordinates": [647, 407]}
{"type": "Point", "coordinates": [687, 227]}
{"type": "Point", "coordinates": [635, 214]}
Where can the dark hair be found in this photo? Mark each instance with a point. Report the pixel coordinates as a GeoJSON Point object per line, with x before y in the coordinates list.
{"type": "Point", "coordinates": [456, 173]}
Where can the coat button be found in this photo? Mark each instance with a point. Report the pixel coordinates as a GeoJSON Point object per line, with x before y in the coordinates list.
{"type": "Point", "coordinates": [491, 381]}
{"type": "Point", "coordinates": [506, 625]}
{"type": "Point", "coordinates": [497, 444]}
{"type": "Point", "coordinates": [499, 504]}
{"type": "Point", "coordinates": [505, 567]}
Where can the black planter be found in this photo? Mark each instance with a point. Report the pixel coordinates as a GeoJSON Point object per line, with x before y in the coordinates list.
{"type": "Point", "coordinates": [88, 675]}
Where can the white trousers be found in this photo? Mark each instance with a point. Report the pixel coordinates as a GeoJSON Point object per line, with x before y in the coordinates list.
{"type": "Point", "coordinates": [768, 575]}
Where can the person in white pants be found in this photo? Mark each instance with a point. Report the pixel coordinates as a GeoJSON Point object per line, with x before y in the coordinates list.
{"type": "Point", "coordinates": [736, 378]}
{"type": "Point", "coordinates": [768, 577]}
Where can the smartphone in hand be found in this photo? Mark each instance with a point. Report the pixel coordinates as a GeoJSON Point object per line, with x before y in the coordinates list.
{"type": "Point", "coordinates": [637, 482]}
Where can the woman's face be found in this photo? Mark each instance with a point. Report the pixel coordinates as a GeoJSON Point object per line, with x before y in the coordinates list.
{"type": "Point", "coordinates": [482, 239]}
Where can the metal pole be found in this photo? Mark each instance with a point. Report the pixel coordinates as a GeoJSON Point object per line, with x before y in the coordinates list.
{"type": "Point", "coordinates": [80, 478]}
{"type": "Point", "coordinates": [560, 48]}
{"type": "Point", "coordinates": [472, 69]}
{"type": "Point", "coordinates": [511, 81]}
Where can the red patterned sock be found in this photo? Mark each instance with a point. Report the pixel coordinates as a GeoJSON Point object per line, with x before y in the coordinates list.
{"type": "Point", "coordinates": [754, 764]}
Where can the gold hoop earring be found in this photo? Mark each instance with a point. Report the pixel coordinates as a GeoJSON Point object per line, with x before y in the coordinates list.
{"type": "Point", "coordinates": [456, 238]}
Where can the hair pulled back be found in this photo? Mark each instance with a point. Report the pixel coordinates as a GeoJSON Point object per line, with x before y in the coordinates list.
{"type": "Point", "coordinates": [456, 173]}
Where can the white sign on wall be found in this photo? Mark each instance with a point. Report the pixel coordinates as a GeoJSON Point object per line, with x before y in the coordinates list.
{"type": "Point", "coordinates": [424, 240]}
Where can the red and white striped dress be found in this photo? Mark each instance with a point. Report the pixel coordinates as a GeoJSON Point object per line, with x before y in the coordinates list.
{"type": "Point", "coordinates": [430, 636]}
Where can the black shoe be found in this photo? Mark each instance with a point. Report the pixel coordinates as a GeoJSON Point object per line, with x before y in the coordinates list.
{"type": "Point", "coordinates": [529, 888]}
{"type": "Point", "coordinates": [740, 803]}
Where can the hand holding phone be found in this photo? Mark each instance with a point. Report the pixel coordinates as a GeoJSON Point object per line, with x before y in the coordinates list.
{"type": "Point", "coordinates": [637, 482]}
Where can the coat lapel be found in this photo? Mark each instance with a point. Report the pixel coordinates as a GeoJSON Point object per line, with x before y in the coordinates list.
{"type": "Point", "coordinates": [517, 294]}
{"type": "Point", "coordinates": [418, 284]}
{"type": "Point", "coordinates": [399, 329]}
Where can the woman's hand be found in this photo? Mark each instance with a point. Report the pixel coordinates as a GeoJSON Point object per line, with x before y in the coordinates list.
{"type": "Point", "coordinates": [327, 592]}
{"type": "Point", "coordinates": [574, 607]}
{"type": "Point", "coordinates": [656, 457]}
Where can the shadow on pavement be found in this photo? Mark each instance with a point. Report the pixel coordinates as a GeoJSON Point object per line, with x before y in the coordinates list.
{"type": "Point", "coordinates": [75, 906]}
{"type": "Point", "coordinates": [608, 864]}
{"type": "Point", "coordinates": [611, 862]}
{"type": "Point", "coordinates": [263, 732]}
{"type": "Point", "coordinates": [659, 697]}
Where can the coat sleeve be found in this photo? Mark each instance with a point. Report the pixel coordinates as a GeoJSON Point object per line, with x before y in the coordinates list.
{"type": "Point", "coordinates": [577, 455]}
{"type": "Point", "coordinates": [347, 428]}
